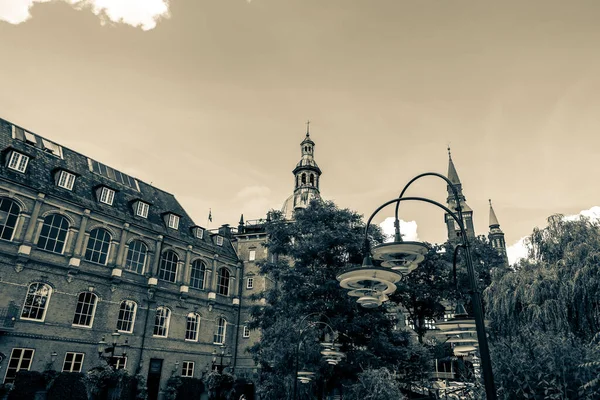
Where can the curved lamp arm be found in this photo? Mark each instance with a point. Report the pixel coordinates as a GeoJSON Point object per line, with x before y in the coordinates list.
{"type": "Point", "coordinates": [398, 237]}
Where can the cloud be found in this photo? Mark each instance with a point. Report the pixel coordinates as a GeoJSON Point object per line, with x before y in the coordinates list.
{"type": "Point", "coordinates": [407, 229]}
{"type": "Point", "coordinates": [137, 13]}
{"type": "Point", "coordinates": [520, 249]}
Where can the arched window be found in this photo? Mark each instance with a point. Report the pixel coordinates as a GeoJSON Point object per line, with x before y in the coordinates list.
{"type": "Point", "coordinates": [197, 275]}
{"type": "Point", "coordinates": [167, 270]}
{"type": "Point", "coordinates": [192, 327]}
{"type": "Point", "coordinates": [126, 318]}
{"type": "Point", "coordinates": [36, 302]}
{"type": "Point", "coordinates": [98, 246]}
{"type": "Point", "coordinates": [136, 257]}
{"type": "Point", "coordinates": [221, 331]}
{"type": "Point", "coordinates": [85, 310]}
{"type": "Point", "coordinates": [303, 179]}
{"type": "Point", "coordinates": [161, 322]}
{"type": "Point", "coordinates": [54, 233]}
{"type": "Point", "coordinates": [223, 281]}
{"type": "Point", "coordinates": [312, 180]}
{"type": "Point", "coordinates": [9, 215]}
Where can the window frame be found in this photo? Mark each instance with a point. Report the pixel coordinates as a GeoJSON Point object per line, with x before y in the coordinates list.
{"type": "Point", "coordinates": [196, 327]}
{"type": "Point", "coordinates": [246, 332]}
{"type": "Point", "coordinates": [166, 322]}
{"type": "Point", "coordinates": [46, 303]}
{"type": "Point", "coordinates": [131, 250]}
{"type": "Point", "coordinates": [78, 315]}
{"type": "Point", "coordinates": [106, 195]}
{"type": "Point", "coordinates": [219, 240]}
{"type": "Point", "coordinates": [18, 161]}
{"type": "Point", "coordinates": [9, 213]}
{"type": "Point", "coordinates": [202, 270]}
{"type": "Point", "coordinates": [118, 362]}
{"type": "Point", "coordinates": [252, 255]}
{"type": "Point", "coordinates": [199, 233]}
{"type": "Point", "coordinates": [163, 264]}
{"type": "Point", "coordinates": [250, 283]}
{"type": "Point", "coordinates": [220, 279]}
{"type": "Point", "coordinates": [185, 369]}
{"type": "Point", "coordinates": [73, 361]}
{"type": "Point", "coordinates": [55, 240]}
{"type": "Point", "coordinates": [131, 320]}
{"type": "Point", "coordinates": [67, 179]}
{"type": "Point", "coordinates": [104, 249]}
{"type": "Point", "coordinates": [19, 363]}
{"type": "Point", "coordinates": [142, 209]}
{"type": "Point", "coordinates": [173, 221]}
{"type": "Point", "coordinates": [220, 331]}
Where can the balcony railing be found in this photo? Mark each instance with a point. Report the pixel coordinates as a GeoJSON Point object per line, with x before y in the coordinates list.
{"type": "Point", "coordinates": [8, 316]}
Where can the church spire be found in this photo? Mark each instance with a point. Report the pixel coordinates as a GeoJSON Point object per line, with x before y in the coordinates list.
{"type": "Point", "coordinates": [453, 227]}
{"type": "Point", "coordinates": [452, 174]}
{"type": "Point", "coordinates": [496, 236]}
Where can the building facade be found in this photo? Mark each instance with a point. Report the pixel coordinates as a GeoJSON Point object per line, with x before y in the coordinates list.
{"type": "Point", "coordinates": [88, 254]}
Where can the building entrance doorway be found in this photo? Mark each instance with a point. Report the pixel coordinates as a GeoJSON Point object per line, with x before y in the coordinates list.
{"type": "Point", "coordinates": [154, 372]}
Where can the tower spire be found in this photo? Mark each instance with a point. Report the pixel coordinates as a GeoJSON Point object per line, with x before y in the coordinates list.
{"type": "Point", "coordinates": [307, 128]}
{"type": "Point", "coordinates": [453, 228]}
{"type": "Point", "coordinates": [452, 174]}
{"type": "Point", "coordinates": [496, 236]}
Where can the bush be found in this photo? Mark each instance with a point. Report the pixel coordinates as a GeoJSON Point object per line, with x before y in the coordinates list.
{"type": "Point", "coordinates": [190, 389]}
{"type": "Point", "coordinates": [27, 383]}
{"type": "Point", "coordinates": [68, 386]}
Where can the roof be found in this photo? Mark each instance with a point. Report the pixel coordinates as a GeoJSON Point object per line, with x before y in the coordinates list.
{"type": "Point", "coordinates": [493, 218]}
{"type": "Point", "coordinates": [452, 174]}
{"type": "Point", "coordinates": [40, 176]}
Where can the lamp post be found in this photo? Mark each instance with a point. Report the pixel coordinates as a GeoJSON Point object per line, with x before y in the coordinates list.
{"type": "Point", "coordinates": [330, 350]}
{"type": "Point", "coordinates": [106, 352]}
{"type": "Point", "coordinates": [371, 284]}
{"type": "Point", "coordinates": [219, 367]}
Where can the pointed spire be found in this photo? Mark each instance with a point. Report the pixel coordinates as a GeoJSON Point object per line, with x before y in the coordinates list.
{"type": "Point", "coordinates": [452, 175]}
{"type": "Point", "coordinates": [308, 128]}
{"type": "Point", "coordinates": [242, 219]}
{"type": "Point", "coordinates": [493, 218]}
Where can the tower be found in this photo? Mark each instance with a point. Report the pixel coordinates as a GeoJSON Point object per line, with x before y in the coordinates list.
{"type": "Point", "coordinates": [307, 176]}
{"type": "Point", "coordinates": [496, 236]}
{"type": "Point", "coordinates": [451, 224]}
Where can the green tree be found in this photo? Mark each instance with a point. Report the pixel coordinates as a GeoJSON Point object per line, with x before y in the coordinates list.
{"type": "Point", "coordinates": [374, 384]}
{"type": "Point", "coordinates": [426, 292]}
{"type": "Point", "coordinates": [322, 241]}
{"type": "Point", "coordinates": [544, 314]}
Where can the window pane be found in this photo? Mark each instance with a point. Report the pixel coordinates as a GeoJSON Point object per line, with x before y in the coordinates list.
{"type": "Point", "coordinates": [167, 270]}
{"type": "Point", "coordinates": [54, 233]}
{"type": "Point", "coordinates": [136, 257]}
{"type": "Point", "coordinates": [126, 316]}
{"type": "Point", "coordinates": [197, 274]}
{"type": "Point", "coordinates": [9, 213]}
{"type": "Point", "coordinates": [36, 301]}
{"type": "Point", "coordinates": [84, 312]}
{"type": "Point", "coordinates": [98, 246]}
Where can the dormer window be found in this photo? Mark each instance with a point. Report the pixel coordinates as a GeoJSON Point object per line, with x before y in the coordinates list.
{"type": "Point", "coordinates": [198, 232]}
{"type": "Point", "coordinates": [141, 209]}
{"type": "Point", "coordinates": [65, 180]}
{"type": "Point", "coordinates": [219, 240]}
{"type": "Point", "coordinates": [52, 148]}
{"type": "Point", "coordinates": [106, 195]}
{"type": "Point", "coordinates": [30, 138]}
{"type": "Point", "coordinates": [18, 161]}
{"type": "Point", "coordinates": [173, 221]}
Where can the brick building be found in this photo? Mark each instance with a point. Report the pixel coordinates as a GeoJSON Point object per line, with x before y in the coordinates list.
{"type": "Point", "coordinates": [87, 251]}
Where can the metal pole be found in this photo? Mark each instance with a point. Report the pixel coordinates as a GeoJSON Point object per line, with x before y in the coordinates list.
{"type": "Point", "coordinates": [296, 373]}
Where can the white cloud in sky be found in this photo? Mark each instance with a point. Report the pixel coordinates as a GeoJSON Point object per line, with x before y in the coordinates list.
{"type": "Point", "coordinates": [408, 229]}
{"type": "Point", "coordinates": [137, 13]}
{"type": "Point", "coordinates": [519, 249]}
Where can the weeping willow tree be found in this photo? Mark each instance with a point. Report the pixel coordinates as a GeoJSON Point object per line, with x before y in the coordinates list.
{"type": "Point", "coordinates": [548, 303]}
{"type": "Point", "coordinates": [557, 288]}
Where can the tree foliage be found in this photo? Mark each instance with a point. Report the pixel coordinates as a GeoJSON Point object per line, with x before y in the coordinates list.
{"type": "Point", "coordinates": [545, 313]}
{"type": "Point", "coordinates": [309, 252]}
{"type": "Point", "coordinates": [374, 384]}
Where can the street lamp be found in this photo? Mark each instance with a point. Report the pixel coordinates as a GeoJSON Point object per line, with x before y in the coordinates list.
{"type": "Point", "coordinates": [330, 349]}
{"type": "Point", "coordinates": [219, 367]}
{"type": "Point", "coordinates": [106, 352]}
{"type": "Point", "coordinates": [373, 284]}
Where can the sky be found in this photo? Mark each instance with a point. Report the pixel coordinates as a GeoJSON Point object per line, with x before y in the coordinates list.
{"type": "Point", "coordinates": [208, 99]}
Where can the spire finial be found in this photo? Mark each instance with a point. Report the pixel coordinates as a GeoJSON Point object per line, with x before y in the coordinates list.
{"type": "Point", "coordinates": [449, 152]}
{"type": "Point", "coordinates": [307, 128]}
{"type": "Point", "coordinates": [490, 200]}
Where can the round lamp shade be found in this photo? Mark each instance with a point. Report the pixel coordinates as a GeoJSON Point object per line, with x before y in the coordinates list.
{"type": "Point", "coordinates": [411, 252]}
